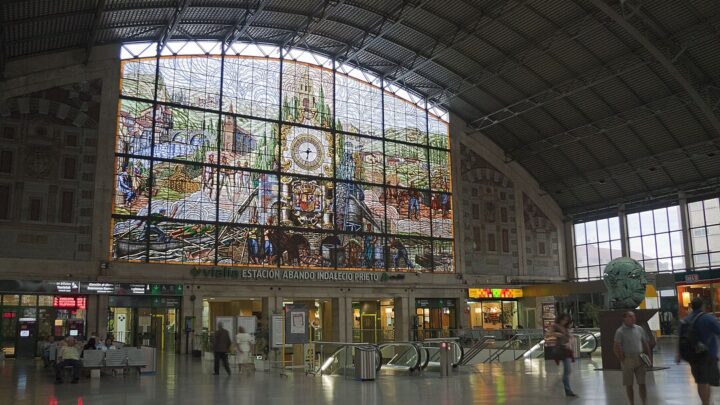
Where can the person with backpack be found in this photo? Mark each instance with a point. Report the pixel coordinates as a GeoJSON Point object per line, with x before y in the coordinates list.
{"type": "Point", "coordinates": [698, 346]}
{"type": "Point", "coordinates": [630, 342]}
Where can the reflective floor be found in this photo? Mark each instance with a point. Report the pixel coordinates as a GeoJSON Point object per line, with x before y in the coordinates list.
{"type": "Point", "coordinates": [182, 380]}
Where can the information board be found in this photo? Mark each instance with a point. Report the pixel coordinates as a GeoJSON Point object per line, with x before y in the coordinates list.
{"type": "Point", "coordinates": [296, 324]}
{"type": "Point", "coordinates": [276, 329]}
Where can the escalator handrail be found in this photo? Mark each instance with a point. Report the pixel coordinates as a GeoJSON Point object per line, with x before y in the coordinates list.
{"type": "Point", "coordinates": [411, 344]}
{"type": "Point", "coordinates": [594, 336]}
{"type": "Point", "coordinates": [455, 362]}
{"type": "Point", "coordinates": [502, 349]}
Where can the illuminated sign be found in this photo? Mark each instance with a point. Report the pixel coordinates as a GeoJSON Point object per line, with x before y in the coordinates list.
{"type": "Point", "coordinates": [495, 293]}
{"type": "Point", "coordinates": [69, 302]}
{"type": "Point", "coordinates": [98, 288]}
{"type": "Point", "coordinates": [8, 315]}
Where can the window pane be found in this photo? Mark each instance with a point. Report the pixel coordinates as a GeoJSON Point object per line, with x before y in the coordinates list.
{"type": "Point", "coordinates": [603, 231]}
{"type": "Point", "coordinates": [663, 245]}
{"type": "Point", "coordinates": [665, 265]}
{"type": "Point", "coordinates": [678, 263]}
{"type": "Point", "coordinates": [649, 251]}
{"type": "Point", "coordinates": [593, 256]}
{"type": "Point", "coordinates": [713, 238]}
{"type": "Point", "coordinates": [715, 259]}
{"type": "Point", "coordinates": [651, 266]}
{"type": "Point", "coordinates": [633, 224]}
{"type": "Point", "coordinates": [616, 248]}
{"type": "Point", "coordinates": [579, 234]}
{"type": "Point", "coordinates": [636, 248]}
{"type": "Point", "coordinates": [701, 260]}
{"type": "Point", "coordinates": [614, 224]}
{"type": "Point", "coordinates": [699, 244]}
{"type": "Point", "coordinates": [674, 218]}
{"type": "Point", "coordinates": [605, 253]}
{"type": "Point", "coordinates": [591, 231]}
{"type": "Point", "coordinates": [581, 256]}
{"type": "Point", "coordinates": [695, 212]}
{"type": "Point", "coordinates": [594, 272]}
{"type": "Point", "coordinates": [676, 244]}
{"type": "Point", "coordinates": [661, 220]}
{"type": "Point", "coordinates": [582, 273]}
{"type": "Point", "coordinates": [646, 223]}
{"type": "Point", "coordinates": [712, 211]}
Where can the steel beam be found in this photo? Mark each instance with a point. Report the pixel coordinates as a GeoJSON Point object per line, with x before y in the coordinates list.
{"type": "Point", "coordinates": [663, 59]}
{"type": "Point", "coordinates": [606, 124]}
{"type": "Point", "coordinates": [312, 21]}
{"type": "Point", "coordinates": [167, 34]}
{"type": "Point", "coordinates": [242, 25]}
{"type": "Point", "coordinates": [398, 15]}
{"type": "Point", "coordinates": [465, 31]}
{"type": "Point", "coordinates": [619, 170]}
{"type": "Point", "coordinates": [92, 37]}
{"type": "Point", "coordinates": [602, 74]}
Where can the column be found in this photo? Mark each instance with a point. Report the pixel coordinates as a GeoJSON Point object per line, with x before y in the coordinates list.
{"type": "Point", "coordinates": [624, 242]}
{"type": "Point", "coordinates": [520, 229]}
{"type": "Point", "coordinates": [569, 250]}
{"type": "Point", "coordinates": [402, 322]}
{"type": "Point", "coordinates": [685, 222]}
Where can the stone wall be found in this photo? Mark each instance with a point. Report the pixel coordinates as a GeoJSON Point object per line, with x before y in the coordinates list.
{"type": "Point", "coordinates": [487, 200]}
{"type": "Point", "coordinates": [47, 171]}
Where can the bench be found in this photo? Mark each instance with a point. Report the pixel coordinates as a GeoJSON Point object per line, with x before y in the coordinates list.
{"type": "Point", "coordinates": [113, 359]}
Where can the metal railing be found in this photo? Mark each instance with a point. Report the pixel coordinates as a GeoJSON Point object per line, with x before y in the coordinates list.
{"type": "Point", "coordinates": [477, 347]}
{"type": "Point", "coordinates": [433, 347]}
{"type": "Point", "coordinates": [520, 341]}
{"type": "Point", "coordinates": [342, 359]}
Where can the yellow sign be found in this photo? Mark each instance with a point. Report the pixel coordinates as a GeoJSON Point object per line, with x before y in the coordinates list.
{"type": "Point", "coordinates": [495, 293]}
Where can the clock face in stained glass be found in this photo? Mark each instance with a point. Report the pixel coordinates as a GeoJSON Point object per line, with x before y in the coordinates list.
{"type": "Point", "coordinates": [307, 152]}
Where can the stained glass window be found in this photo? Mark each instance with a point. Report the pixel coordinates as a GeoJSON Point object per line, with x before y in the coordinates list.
{"type": "Point", "coordinates": [247, 157]}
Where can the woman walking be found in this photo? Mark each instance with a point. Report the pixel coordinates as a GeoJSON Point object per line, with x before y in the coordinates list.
{"type": "Point", "coordinates": [243, 340]}
{"type": "Point", "coordinates": [562, 351]}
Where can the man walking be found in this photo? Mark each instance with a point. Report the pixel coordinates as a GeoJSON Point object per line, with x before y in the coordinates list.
{"type": "Point", "coordinates": [221, 346]}
{"type": "Point", "coordinates": [68, 356]}
{"type": "Point", "coordinates": [699, 330]}
{"type": "Point", "coordinates": [631, 341]}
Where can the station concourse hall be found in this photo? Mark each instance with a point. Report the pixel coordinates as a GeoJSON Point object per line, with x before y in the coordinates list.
{"type": "Point", "coordinates": [359, 202]}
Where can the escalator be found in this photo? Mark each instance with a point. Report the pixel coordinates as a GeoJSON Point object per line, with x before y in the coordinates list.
{"type": "Point", "coordinates": [457, 354]}
{"type": "Point", "coordinates": [402, 357]}
{"type": "Point", "coordinates": [341, 360]}
{"type": "Point", "coordinates": [589, 342]}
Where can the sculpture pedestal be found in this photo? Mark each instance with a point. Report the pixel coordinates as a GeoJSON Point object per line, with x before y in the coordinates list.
{"type": "Point", "coordinates": [609, 322]}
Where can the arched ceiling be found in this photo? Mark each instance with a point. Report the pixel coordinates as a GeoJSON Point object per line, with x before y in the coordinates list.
{"type": "Point", "coordinates": [603, 101]}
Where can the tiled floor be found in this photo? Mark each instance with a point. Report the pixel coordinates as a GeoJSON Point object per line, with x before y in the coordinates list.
{"type": "Point", "coordinates": [183, 380]}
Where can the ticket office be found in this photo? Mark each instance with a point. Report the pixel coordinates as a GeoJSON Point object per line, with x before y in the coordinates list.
{"type": "Point", "coordinates": [28, 318]}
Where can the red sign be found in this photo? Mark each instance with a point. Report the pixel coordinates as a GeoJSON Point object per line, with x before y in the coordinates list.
{"type": "Point", "coordinates": [9, 315]}
{"type": "Point", "coordinates": [69, 302]}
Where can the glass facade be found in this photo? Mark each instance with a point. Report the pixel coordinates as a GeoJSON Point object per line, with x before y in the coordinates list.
{"type": "Point", "coordinates": [246, 156]}
{"type": "Point", "coordinates": [655, 239]}
{"type": "Point", "coordinates": [596, 244]}
{"type": "Point", "coordinates": [704, 221]}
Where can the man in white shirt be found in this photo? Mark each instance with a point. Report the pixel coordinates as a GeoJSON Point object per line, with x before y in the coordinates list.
{"type": "Point", "coordinates": [68, 355]}
{"type": "Point", "coordinates": [630, 342]}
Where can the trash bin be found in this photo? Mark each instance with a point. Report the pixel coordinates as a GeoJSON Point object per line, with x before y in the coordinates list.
{"type": "Point", "coordinates": [365, 363]}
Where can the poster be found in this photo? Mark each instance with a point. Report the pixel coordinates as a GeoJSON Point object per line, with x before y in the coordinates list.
{"type": "Point", "coordinates": [298, 322]}
{"type": "Point", "coordinates": [296, 327]}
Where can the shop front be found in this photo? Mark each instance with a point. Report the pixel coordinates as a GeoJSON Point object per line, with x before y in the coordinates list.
{"type": "Point", "coordinates": [373, 320]}
{"type": "Point", "coordinates": [435, 318]}
{"type": "Point", "coordinates": [149, 321]}
{"type": "Point", "coordinates": [29, 313]}
{"type": "Point", "coordinates": [494, 308]}
{"type": "Point", "coordinates": [705, 284]}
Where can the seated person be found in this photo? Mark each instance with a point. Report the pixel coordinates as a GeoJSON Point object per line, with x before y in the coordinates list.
{"type": "Point", "coordinates": [68, 355]}
{"type": "Point", "coordinates": [91, 344]}
{"type": "Point", "coordinates": [108, 345]}
{"type": "Point", "coordinates": [45, 349]}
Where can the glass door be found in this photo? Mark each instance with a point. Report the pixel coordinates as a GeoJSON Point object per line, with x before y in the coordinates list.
{"type": "Point", "coordinates": [8, 331]}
